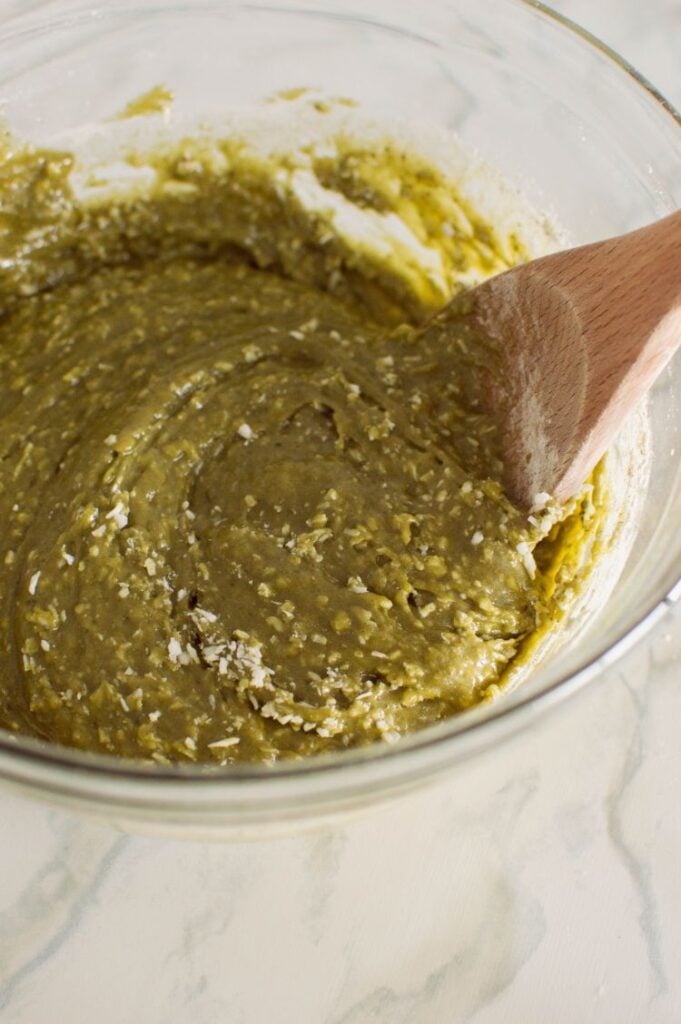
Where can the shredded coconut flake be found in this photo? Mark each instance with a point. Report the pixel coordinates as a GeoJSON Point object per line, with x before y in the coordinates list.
{"type": "Point", "coordinates": [527, 558]}
{"type": "Point", "coordinates": [540, 501]}
{"type": "Point", "coordinates": [204, 614]}
{"type": "Point", "coordinates": [174, 649]}
{"type": "Point", "coordinates": [229, 741]}
{"type": "Point", "coordinates": [119, 514]}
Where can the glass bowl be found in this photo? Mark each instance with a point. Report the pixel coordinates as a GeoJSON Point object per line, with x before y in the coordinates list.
{"type": "Point", "coordinates": [562, 118]}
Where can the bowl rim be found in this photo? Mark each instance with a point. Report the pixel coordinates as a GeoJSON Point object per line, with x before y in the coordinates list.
{"type": "Point", "coordinates": [475, 722]}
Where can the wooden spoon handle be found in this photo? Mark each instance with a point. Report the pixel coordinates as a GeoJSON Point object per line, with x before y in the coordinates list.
{"type": "Point", "coordinates": [583, 334]}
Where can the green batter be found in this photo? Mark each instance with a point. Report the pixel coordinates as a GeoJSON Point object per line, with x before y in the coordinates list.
{"type": "Point", "coordinates": [248, 512]}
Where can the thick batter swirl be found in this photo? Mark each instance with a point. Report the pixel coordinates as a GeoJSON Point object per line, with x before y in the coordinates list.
{"type": "Point", "coordinates": [243, 519]}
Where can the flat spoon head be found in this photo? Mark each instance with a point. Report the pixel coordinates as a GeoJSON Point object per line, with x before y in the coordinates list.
{"type": "Point", "coordinates": [579, 337]}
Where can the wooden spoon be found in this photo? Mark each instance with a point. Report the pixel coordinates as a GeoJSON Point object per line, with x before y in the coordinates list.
{"type": "Point", "coordinates": [581, 336]}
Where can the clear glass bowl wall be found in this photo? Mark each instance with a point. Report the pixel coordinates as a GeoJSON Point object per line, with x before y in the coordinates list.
{"type": "Point", "coordinates": [561, 117]}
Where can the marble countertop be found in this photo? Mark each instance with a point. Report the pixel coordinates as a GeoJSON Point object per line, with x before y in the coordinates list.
{"type": "Point", "coordinates": [400, 917]}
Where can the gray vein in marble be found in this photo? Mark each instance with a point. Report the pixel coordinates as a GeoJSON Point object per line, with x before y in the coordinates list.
{"type": "Point", "coordinates": [323, 863]}
{"type": "Point", "coordinates": [513, 798]}
{"type": "Point", "coordinates": [200, 924]}
{"type": "Point", "coordinates": [510, 928]}
{"type": "Point", "coordinates": [500, 815]}
{"type": "Point", "coordinates": [518, 917]}
{"type": "Point", "coordinates": [525, 925]}
{"type": "Point", "coordinates": [55, 900]}
{"type": "Point", "coordinates": [496, 922]}
{"type": "Point", "coordinates": [460, 100]}
{"type": "Point", "coordinates": [386, 1005]}
{"type": "Point", "coordinates": [639, 872]}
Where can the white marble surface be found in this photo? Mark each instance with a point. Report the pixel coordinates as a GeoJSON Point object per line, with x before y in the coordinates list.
{"type": "Point", "coordinates": [558, 902]}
